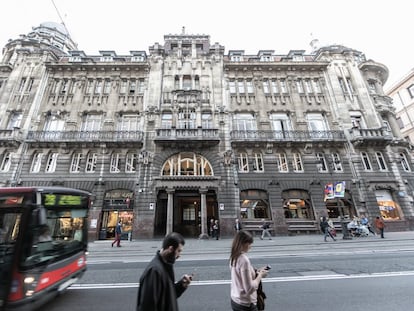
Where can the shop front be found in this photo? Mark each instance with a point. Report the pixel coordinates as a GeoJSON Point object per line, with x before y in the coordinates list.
{"type": "Point", "coordinates": [118, 206]}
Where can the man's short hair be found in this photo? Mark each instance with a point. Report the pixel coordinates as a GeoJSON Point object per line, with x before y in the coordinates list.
{"type": "Point", "coordinates": [173, 239]}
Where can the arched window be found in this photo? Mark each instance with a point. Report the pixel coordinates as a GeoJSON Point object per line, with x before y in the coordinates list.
{"type": "Point", "coordinates": [187, 164]}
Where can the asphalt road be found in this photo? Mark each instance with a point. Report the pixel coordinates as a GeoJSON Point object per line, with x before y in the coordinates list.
{"type": "Point", "coordinates": [370, 274]}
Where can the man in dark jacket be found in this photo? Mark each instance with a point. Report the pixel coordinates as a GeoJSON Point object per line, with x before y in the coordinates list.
{"type": "Point", "coordinates": [158, 290]}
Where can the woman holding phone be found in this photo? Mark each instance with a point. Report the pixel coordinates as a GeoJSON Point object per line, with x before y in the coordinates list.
{"type": "Point", "coordinates": [245, 279]}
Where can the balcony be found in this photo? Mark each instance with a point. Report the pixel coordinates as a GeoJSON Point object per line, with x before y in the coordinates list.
{"type": "Point", "coordinates": [10, 138]}
{"type": "Point", "coordinates": [91, 138]}
{"type": "Point", "coordinates": [370, 137]}
{"type": "Point", "coordinates": [194, 138]}
{"type": "Point", "coordinates": [287, 137]}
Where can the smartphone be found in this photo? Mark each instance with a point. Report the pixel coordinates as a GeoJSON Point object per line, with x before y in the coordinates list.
{"type": "Point", "coordinates": [268, 267]}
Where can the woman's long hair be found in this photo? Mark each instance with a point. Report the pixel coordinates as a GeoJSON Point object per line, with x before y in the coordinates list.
{"type": "Point", "coordinates": [240, 240]}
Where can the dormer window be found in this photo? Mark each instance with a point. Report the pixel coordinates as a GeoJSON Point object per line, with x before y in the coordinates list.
{"type": "Point", "coordinates": [107, 58]}
{"type": "Point", "coordinates": [266, 58]}
{"type": "Point", "coordinates": [75, 59]}
{"type": "Point", "coordinates": [236, 58]}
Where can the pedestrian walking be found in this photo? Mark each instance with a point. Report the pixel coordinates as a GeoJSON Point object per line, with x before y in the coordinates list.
{"type": "Point", "coordinates": [118, 233]}
{"type": "Point", "coordinates": [365, 222]}
{"type": "Point", "coordinates": [237, 225]}
{"type": "Point", "coordinates": [216, 229]}
{"type": "Point", "coordinates": [211, 228]}
{"type": "Point", "coordinates": [245, 280]}
{"type": "Point", "coordinates": [380, 225]}
{"type": "Point", "coordinates": [158, 290]}
{"type": "Point", "coordinates": [325, 229]}
{"type": "Point", "coordinates": [265, 230]}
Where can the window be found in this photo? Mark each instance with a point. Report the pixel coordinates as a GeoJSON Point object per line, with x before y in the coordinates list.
{"type": "Point", "coordinates": [89, 87]}
{"type": "Point", "coordinates": [404, 163]}
{"type": "Point", "coordinates": [91, 161]}
{"type": "Point", "coordinates": [132, 87]}
{"type": "Point", "coordinates": [75, 165]}
{"type": "Point", "coordinates": [249, 85]}
{"type": "Point", "coordinates": [308, 86]}
{"type": "Point", "coordinates": [51, 162]}
{"type": "Point", "coordinates": [299, 86]}
{"type": "Point", "coordinates": [54, 124]}
{"type": "Point", "coordinates": [36, 162]}
{"type": "Point", "coordinates": [372, 87]}
{"type": "Point", "coordinates": [98, 87]}
{"type": "Point", "coordinates": [232, 87]}
{"type": "Point", "coordinates": [410, 90]}
{"type": "Point", "coordinates": [258, 162]}
{"type": "Point", "coordinates": [107, 86]}
{"type": "Point", "coordinates": [274, 86]}
{"type": "Point", "coordinates": [316, 86]}
{"type": "Point", "coordinates": [281, 125]}
{"type": "Point", "coordinates": [297, 163]}
{"type": "Point", "coordinates": [266, 88]}
{"type": "Point", "coordinates": [389, 209]}
{"type": "Point", "coordinates": [123, 87]}
{"type": "Point", "coordinates": [283, 86]}
{"type": "Point", "coordinates": [187, 119]}
{"type": "Point", "coordinates": [63, 86]}
{"type": "Point", "coordinates": [282, 164]}
{"type": "Point", "coordinates": [91, 122]}
{"type": "Point", "coordinates": [5, 162]}
{"type": "Point", "coordinates": [346, 86]}
{"type": "Point", "coordinates": [187, 83]}
{"type": "Point", "coordinates": [129, 122]}
{"type": "Point", "coordinates": [15, 120]}
{"type": "Point", "coordinates": [366, 161]}
{"type": "Point", "coordinates": [381, 161]}
{"type": "Point", "coordinates": [240, 86]}
{"type": "Point", "coordinates": [317, 125]}
{"type": "Point", "coordinates": [21, 85]}
{"type": "Point", "coordinates": [244, 122]}
{"type": "Point", "coordinates": [115, 163]}
{"type": "Point", "coordinates": [130, 162]}
{"type": "Point", "coordinates": [30, 85]}
{"type": "Point", "coordinates": [321, 165]}
{"type": "Point", "coordinates": [206, 120]}
{"type": "Point", "coordinates": [141, 86]}
{"type": "Point", "coordinates": [357, 120]}
{"type": "Point", "coordinates": [336, 162]}
{"type": "Point", "coordinates": [166, 120]}
{"type": "Point", "coordinates": [243, 162]}
{"type": "Point", "coordinates": [187, 164]}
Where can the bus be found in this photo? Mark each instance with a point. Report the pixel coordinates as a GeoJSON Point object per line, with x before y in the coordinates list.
{"type": "Point", "coordinates": [43, 243]}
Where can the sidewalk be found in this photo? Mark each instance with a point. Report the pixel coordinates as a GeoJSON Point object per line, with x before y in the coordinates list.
{"type": "Point", "coordinates": [224, 245]}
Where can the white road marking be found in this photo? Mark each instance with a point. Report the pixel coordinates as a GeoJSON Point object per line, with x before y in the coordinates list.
{"type": "Point", "coordinates": [267, 280]}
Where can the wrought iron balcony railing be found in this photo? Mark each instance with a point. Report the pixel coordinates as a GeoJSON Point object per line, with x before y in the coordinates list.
{"type": "Point", "coordinates": [78, 136]}
{"type": "Point", "coordinates": [287, 136]}
{"type": "Point", "coordinates": [197, 133]}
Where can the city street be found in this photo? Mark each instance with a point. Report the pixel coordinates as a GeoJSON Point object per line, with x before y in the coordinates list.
{"type": "Point", "coordinates": [307, 274]}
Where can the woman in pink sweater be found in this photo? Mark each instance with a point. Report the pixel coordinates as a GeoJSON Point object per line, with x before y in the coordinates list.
{"type": "Point", "coordinates": [244, 280]}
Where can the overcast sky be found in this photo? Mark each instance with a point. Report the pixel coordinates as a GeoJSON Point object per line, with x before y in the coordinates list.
{"type": "Point", "coordinates": [380, 29]}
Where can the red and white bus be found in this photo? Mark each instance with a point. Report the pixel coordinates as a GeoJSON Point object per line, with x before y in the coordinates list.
{"type": "Point", "coordinates": [43, 243]}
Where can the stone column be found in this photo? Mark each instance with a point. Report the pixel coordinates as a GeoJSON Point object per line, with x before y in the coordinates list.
{"type": "Point", "coordinates": [170, 211]}
{"type": "Point", "coordinates": [204, 233]}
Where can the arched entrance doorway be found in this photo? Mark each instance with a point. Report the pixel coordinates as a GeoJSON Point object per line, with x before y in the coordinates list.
{"type": "Point", "coordinates": [186, 212]}
{"type": "Point", "coordinates": [186, 198]}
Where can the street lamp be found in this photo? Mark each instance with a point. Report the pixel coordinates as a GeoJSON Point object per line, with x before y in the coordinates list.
{"type": "Point", "coordinates": [345, 232]}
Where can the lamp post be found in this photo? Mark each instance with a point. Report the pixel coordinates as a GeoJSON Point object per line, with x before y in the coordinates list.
{"type": "Point", "coordinates": [345, 232]}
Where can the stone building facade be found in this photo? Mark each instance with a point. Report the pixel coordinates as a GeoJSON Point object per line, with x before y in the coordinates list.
{"type": "Point", "coordinates": [402, 94]}
{"type": "Point", "coordinates": [170, 138]}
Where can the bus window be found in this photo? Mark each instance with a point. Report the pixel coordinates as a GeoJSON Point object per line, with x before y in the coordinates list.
{"type": "Point", "coordinates": [62, 235]}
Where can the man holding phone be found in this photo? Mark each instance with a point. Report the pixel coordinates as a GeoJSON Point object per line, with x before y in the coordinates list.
{"type": "Point", "coordinates": [158, 290]}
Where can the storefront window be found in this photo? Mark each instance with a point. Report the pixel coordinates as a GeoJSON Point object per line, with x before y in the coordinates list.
{"type": "Point", "coordinates": [254, 205]}
{"type": "Point", "coordinates": [389, 209]}
{"type": "Point", "coordinates": [296, 204]}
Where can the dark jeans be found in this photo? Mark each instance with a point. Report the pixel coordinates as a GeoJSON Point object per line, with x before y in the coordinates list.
{"type": "Point", "coordinates": [237, 307]}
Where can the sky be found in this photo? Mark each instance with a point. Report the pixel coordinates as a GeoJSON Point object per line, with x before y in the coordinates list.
{"type": "Point", "coordinates": [380, 29]}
